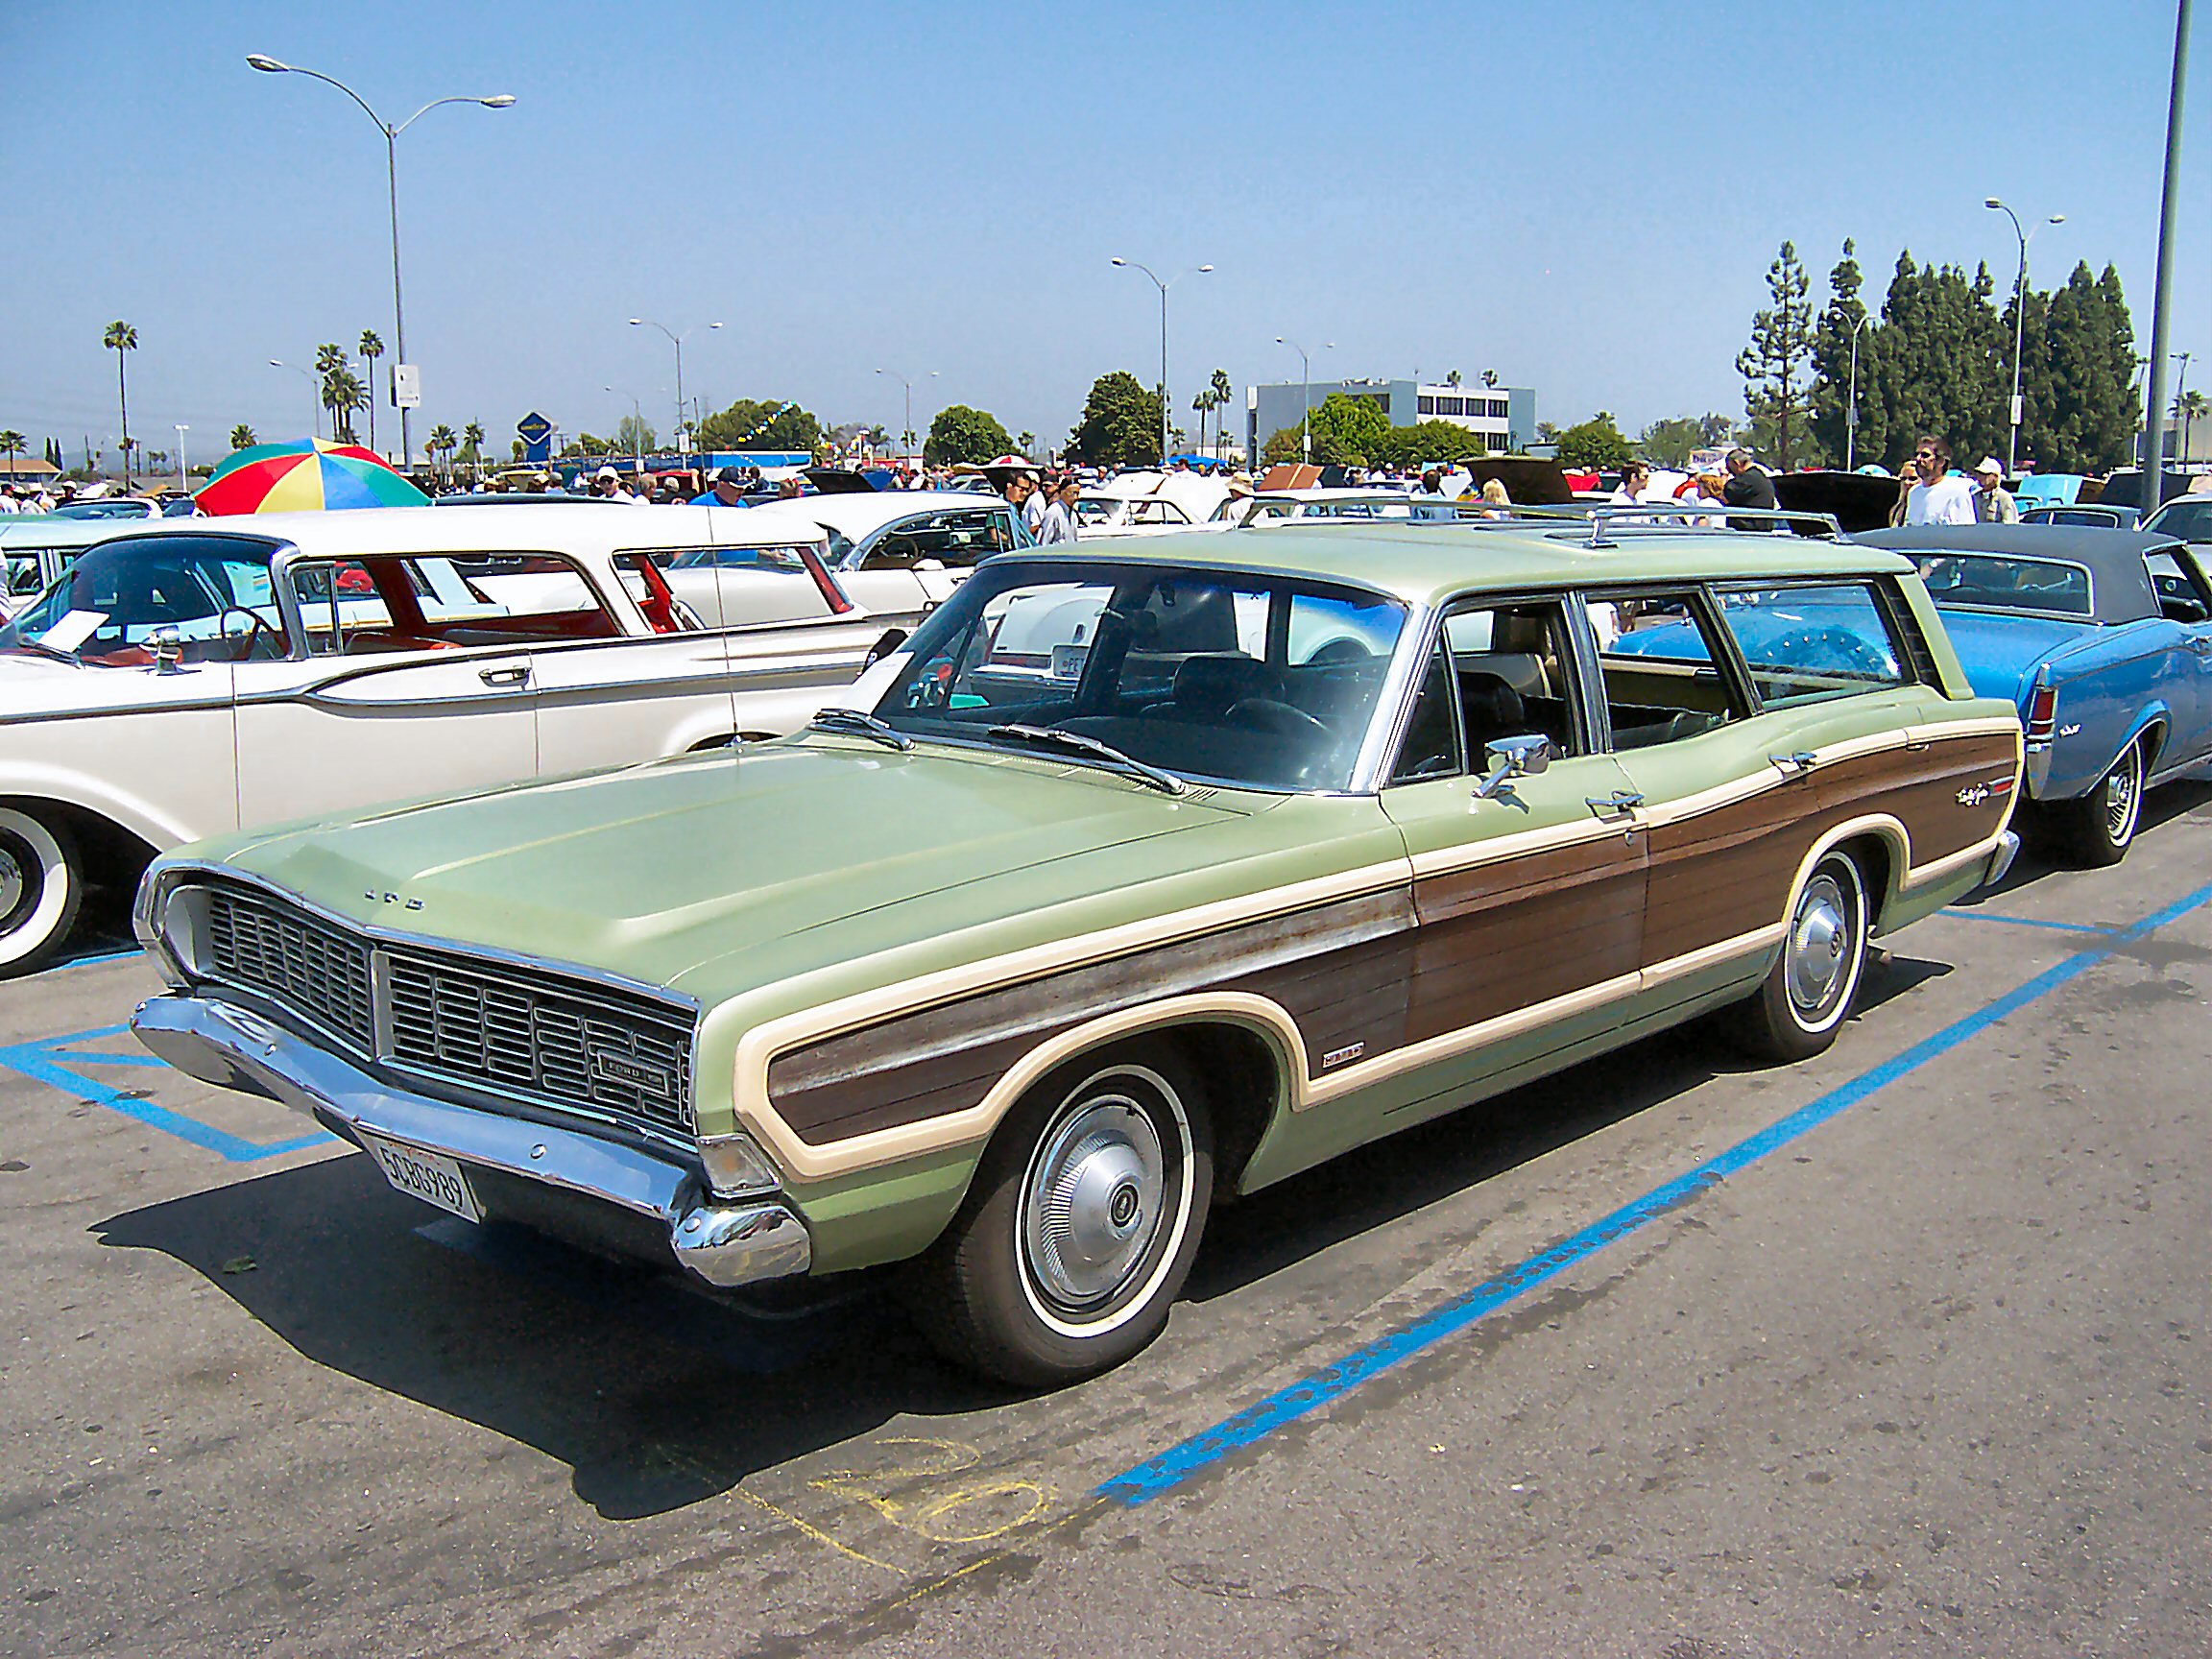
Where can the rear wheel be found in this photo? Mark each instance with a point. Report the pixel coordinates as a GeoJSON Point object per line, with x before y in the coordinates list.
{"type": "Point", "coordinates": [1081, 1223]}
{"type": "Point", "coordinates": [41, 885]}
{"type": "Point", "coordinates": [2097, 827]}
{"type": "Point", "coordinates": [1807, 996]}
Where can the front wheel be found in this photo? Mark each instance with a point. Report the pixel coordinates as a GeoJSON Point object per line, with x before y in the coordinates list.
{"type": "Point", "coordinates": [1081, 1223]}
{"type": "Point", "coordinates": [41, 885]}
{"type": "Point", "coordinates": [2097, 829]}
{"type": "Point", "coordinates": [1807, 995]}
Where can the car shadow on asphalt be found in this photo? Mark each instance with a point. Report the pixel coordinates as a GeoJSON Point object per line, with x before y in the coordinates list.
{"type": "Point", "coordinates": [657, 1397]}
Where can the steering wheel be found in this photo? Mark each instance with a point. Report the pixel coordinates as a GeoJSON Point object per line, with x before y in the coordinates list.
{"type": "Point", "coordinates": [258, 629]}
{"type": "Point", "coordinates": [1826, 650]}
{"type": "Point", "coordinates": [1275, 717]}
{"type": "Point", "coordinates": [1342, 649]}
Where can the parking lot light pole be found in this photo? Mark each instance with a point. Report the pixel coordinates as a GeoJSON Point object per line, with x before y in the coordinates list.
{"type": "Point", "coordinates": [314, 391]}
{"type": "Point", "coordinates": [906, 432]}
{"type": "Point", "coordinates": [676, 340]}
{"type": "Point", "coordinates": [496, 100]}
{"type": "Point", "coordinates": [183, 427]}
{"type": "Point", "coordinates": [1306, 402]}
{"type": "Point", "coordinates": [2019, 319]}
{"type": "Point", "coordinates": [1851, 408]}
{"type": "Point", "coordinates": [1165, 402]}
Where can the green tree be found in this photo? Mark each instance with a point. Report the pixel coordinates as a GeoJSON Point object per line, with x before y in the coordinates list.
{"type": "Point", "coordinates": [345, 395]}
{"type": "Point", "coordinates": [1777, 364]}
{"type": "Point", "coordinates": [750, 423]}
{"type": "Point", "coordinates": [443, 441]}
{"type": "Point", "coordinates": [1025, 441]}
{"type": "Point", "coordinates": [372, 348]}
{"type": "Point", "coordinates": [2093, 414]}
{"type": "Point", "coordinates": [960, 433]}
{"type": "Point", "coordinates": [1594, 443]}
{"type": "Point", "coordinates": [12, 444]}
{"type": "Point", "coordinates": [1670, 442]}
{"type": "Point", "coordinates": [1345, 430]}
{"type": "Point", "coordinates": [241, 437]}
{"type": "Point", "coordinates": [1120, 422]}
{"type": "Point", "coordinates": [1224, 393]}
{"type": "Point", "coordinates": [634, 436]}
{"type": "Point", "coordinates": [1829, 396]}
{"type": "Point", "coordinates": [120, 337]}
{"type": "Point", "coordinates": [1426, 443]}
{"type": "Point", "coordinates": [472, 448]}
{"type": "Point", "coordinates": [2189, 408]}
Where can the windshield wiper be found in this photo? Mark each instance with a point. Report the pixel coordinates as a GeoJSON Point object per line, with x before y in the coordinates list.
{"type": "Point", "coordinates": [852, 723]}
{"type": "Point", "coordinates": [1076, 743]}
{"type": "Point", "coordinates": [25, 642]}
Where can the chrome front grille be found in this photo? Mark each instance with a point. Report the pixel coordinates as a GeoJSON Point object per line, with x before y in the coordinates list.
{"type": "Point", "coordinates": [271, 948]}
{"type": "Point", "coordinates": [556, 1041]}
{"type": "Point", "coordinates": [579, 1046]}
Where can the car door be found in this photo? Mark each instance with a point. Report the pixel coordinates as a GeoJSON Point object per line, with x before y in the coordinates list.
{"type": "Point", "coordinates": [2185, 599]}
{"type": "Point", "coordinates": [1529, 892]}
{"type": "Point", "coordinates": [915, 564]}
{"type": "Point", "coordinates": [366, 707]}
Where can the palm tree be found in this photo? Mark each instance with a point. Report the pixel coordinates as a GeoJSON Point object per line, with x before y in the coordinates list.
{"type": "Point", "coordinates": [443, 439]}
{"type": "Point", "coordinates": [1025, 441]}
{"type": "Point", "coordinates": [344, 394]}
{"type": "Point", "coordinates": [12, 444]}
{"type": "Point", "coordinates": [2189, 406]}
{"type": "Point", "coordinates": [241, 437]}
{"type": "Point", "coordinates": [1453, 378]}
{"type": "Point", "coordinates": [1222, 392]}
{"type": "Point", "coordinates": [472, 446]}
{"type": "Point", "coordinates": [372, 348]}
{"type": "Point", "coordinates": [120, 337]}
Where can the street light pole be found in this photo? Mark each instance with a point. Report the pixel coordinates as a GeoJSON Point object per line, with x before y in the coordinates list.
{"type": "Point", "coordinates": [181, 428]}
{"type": "Point", "coordinates": [314, 391]}
{"type": "Point", "coordinates": [1165, 402]}
{"type": "Point", "coordinates": [1851, 409]}
{"type": "Point", "coordinates": [676, 340]}
{"type": "Point", "coordinates": [2154, 434]}
{"type": "Point", "coordinates": [906, 432]}
{"type": "Point", "coordinates": [1306, 401]}
{"type": "Point", "coordinates": [2019, 319]}
{"type": "Point", "coordinates": [496, 100]}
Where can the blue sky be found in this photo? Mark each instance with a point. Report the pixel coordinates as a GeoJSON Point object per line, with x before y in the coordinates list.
{"type": "Point", "coordinates": [1584, 197]}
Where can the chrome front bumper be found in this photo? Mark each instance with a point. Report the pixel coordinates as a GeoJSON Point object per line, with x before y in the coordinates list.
{"type": "Point", "coordinates": [724, 1244]}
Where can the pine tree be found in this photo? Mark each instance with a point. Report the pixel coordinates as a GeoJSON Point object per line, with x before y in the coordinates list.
{"type": "Point", "coordinates": [1777, 364]}
{"type": "Point", "coordinates": [1832, 389]}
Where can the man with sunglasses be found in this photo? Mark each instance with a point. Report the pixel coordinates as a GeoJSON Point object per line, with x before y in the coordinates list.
{"type": "Point", "coordinates": [1936, 497]}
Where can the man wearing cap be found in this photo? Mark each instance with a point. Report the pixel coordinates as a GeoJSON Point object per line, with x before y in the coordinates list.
{"type": "Point", "coordinates": [728, 490]}
{"type": "Point", "coordinates": [1992, 505]}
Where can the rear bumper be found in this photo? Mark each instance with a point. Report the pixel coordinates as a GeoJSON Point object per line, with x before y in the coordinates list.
{"type": "Point", "coordinates": [2000, 859]}
{"type": "Point", "coordinates": [644, 1202]}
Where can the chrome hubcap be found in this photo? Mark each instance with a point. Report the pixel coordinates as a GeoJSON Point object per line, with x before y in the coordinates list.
{"type": "Point", "coordinates": [2121, 790]}
{"type": "Point", "coordinates": [1093, 1202]}
{"type": "Point", "coordinates": [11, 882]}
{"type": "Point", "coordinates": [1819, 946]}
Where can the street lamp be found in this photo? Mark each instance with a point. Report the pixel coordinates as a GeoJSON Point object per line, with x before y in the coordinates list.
{"type": "Point", "coordinates": [315, 391]}
{"type": "Point", "coordinates": [181, 428]}
{"type": "Point", "coordinates": [497, 101]}
{"type": "Point", "coordinates": [676, 340]}
{"type": "Point", "coordinates": [1851, 408]}
{"type": "Point", "coordinates": [1165, 402]}
{"type": "Point", "coordinates": [2019, 318]}
{"type": "Point", "coordinates": [907, 430]}
{"type": "Point", "coordinates": [1306, 408]}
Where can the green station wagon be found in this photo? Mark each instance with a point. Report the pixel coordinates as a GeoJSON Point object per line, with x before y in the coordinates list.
{"type": "Point", "coordinates": [1126, 881]}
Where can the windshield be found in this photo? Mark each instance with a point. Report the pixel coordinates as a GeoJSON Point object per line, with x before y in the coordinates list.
{"type": "Point", "coordinates": [2190, 520]}
{"type": "Point", "coordinates": [1211, 676]}
{"type": "Point", "coordinates": [1995, 582]}
{"type": "Point", "coordinates": [104, 609]}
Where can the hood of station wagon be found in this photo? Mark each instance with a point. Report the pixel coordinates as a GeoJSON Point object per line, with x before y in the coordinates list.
{"type": "Point", "coordinates": [746, 861]}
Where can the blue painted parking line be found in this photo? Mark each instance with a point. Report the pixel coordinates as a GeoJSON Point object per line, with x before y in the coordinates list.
{"type": "Point", "coordinates": [42, 1062]}
{"type": "Point", "coordinates": [122, 953]}
{"type": "Point", "coordinates": [1965, 915]}
{"type": "Point", "coordinates": [752, 1340]}
{"type": "Point", "coordinates": [1172, 1468]}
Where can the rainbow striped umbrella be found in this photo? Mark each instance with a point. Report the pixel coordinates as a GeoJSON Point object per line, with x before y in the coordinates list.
{"type": "Point", "coordinates": [305, 476]}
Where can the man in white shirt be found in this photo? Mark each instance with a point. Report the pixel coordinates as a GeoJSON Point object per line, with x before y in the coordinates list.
{"type": "Point", "coordinates": [1635, 482]}
{"type": "Point", "coordinates": [1058, 524]}
{"type": "Point", "coordinates": [1936, 497]}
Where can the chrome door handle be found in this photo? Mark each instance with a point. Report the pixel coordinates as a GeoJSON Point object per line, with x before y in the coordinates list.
{"type": "Point", "coordinates": [1794, 765]}
{"type": "Point", "coordinates": [513, 675]}
{"type": "Point", "coordinates": [2202, 644]}
{"type": "Point", "coordinates": [1613, 805]}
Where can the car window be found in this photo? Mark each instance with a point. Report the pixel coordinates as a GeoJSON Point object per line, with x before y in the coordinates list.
{"type": "Point", "coordinates": [1242, 679]}
{"type": "Point", "coordinates": [956, 540]}
{"type": "Point", "coordinates": [2181, 594]}
{"type": "Point", "coordinates": [438, 601]}
{"type": "Point", "coordinates": [1813, 642]}
{"type": "Point", "coordinates": [2190, 520]}
{"type": "Point", "coordinates": [1499, 671]}
{"type": "Point", "coordinates": [216, 594]}
{"type": "Point", "coordinates": [2000, 582]}
{"type": "Point", "coordinates": [1662, 670]}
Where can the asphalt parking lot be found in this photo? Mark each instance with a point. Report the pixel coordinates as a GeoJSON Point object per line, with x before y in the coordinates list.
{"type": "Point", "coordinates": [1905, 1350]}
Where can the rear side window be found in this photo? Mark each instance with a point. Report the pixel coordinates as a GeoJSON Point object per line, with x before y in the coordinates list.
{"type": "Point", "coordinates": [1816, 641]}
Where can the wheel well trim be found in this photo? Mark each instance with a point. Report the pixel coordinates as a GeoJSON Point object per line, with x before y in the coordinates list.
{"type": "Point", "coordinates": [975, 1126]}
{"type": "Point", "coordinates": [73, 792]}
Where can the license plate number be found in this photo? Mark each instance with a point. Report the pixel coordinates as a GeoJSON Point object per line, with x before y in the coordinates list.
{"type": "Point", "coordinates": [429, 1176]}
{"type": "Point", "coordinates": [1068, 662]}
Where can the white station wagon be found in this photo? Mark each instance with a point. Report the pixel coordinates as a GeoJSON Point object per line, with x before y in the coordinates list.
{"type": "Point", "coordinates": [211, 675]}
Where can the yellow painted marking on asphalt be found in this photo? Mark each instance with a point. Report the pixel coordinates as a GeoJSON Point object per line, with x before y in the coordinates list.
{"type": "Point", "coordinates": [817, 1534]}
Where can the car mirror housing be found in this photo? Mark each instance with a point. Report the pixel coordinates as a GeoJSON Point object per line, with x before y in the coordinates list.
{"type": "Point", "coordinates": [1524, 755]}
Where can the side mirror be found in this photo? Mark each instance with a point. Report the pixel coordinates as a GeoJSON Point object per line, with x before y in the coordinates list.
{"type": "Point", "coordinates": [893, 638]}
{"type": "Point", "coordinates": [168, 649]}
{"type": "Point", "coordinates": [1520, 756]}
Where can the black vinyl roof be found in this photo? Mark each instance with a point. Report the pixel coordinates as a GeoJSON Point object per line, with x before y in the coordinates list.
{"type": "Point", "coordinates": [2119, 581]}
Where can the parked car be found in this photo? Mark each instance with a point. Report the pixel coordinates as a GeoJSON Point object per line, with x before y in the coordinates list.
{"type": "Point", "coordinates": [182, 680]}
{"type": "Point", "coordinates": [2095, 516]}
{"type": "Point", "coordinates": [38, 547]}
{"type": "Point", "coordinates": [2186, 516]}
{"type": "Point", "coordinates": [1354, 503]}
{"type": "Point", "coordinates": [1149, 504]}
{"type": "Point", "coordinates": [2102, 638]}
{"type": "Point", "coordinates": [898, 553]}
{"type": "Point", "coordinates": [109, 507]}
{"type": "Point", "coordinates": [1264, 848]}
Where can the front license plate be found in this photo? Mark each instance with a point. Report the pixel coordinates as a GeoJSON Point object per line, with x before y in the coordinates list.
{"type": "Point", "coordinates": [429, 1176]}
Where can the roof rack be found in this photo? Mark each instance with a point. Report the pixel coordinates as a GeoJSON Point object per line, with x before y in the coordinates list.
{"type": "Point", "coordinates": [1602, 518]}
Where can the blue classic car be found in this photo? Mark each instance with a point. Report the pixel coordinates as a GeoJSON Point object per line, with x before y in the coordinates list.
{"type": "Point", "coordinates": [2103, 639]}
